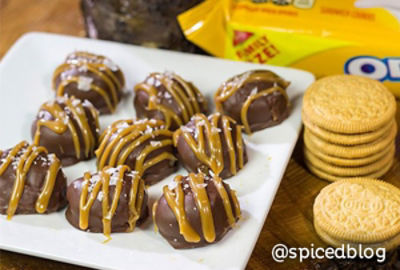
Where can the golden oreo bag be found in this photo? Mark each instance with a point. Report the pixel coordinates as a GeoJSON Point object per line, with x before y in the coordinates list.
{"type": "Point", "coordinates": [323, 36]}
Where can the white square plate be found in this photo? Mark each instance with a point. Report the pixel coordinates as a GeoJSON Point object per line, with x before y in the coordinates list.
{"type": "Point", "coordinates": [25, 83]}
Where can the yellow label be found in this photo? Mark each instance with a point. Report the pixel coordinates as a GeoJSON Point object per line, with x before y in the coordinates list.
{"type": "Point", "coordinates": [322, 36]}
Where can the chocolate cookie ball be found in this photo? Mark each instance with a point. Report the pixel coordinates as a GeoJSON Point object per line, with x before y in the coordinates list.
{"type": "Point", "coordinates": [92, 77]}
{"type": "Point", "coordinates": [31, 181]}
{"type": "Point", "coordinates": [212, 143]}
{"type": "Point", "coordinates": [168, 97]}
{"type": "Point", "coordinates": [144, 145]}
{"type": "Point", "coordinates": [68, 128]}
{"type": "Point", "coordinates": [256, 99]}
{"type": "Point", "coordinates": [206, 209]}
{"type": "Point", "coordinates": [125, 207]}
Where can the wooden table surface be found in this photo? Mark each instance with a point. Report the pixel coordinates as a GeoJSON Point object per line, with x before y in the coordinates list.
{"type": "Point", "coordinates": [290, 218]}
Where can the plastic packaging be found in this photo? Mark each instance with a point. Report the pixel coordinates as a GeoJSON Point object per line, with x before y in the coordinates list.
{"type": "Point", "coordinates": [321, 36]}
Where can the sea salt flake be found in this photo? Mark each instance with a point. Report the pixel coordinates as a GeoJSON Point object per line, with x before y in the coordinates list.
{"type": "Point", "coordinates": [155, 143]}
{"type": "Point", "coordinates": [83, 68]}
{"type": "Point", "coordinates": [148, 130]}
{"type": "Point", "coordinates": [100, 196]}
{"type": "Point", "coordinates": [167, 95]}
{"type": "Point", "coordinates": [157, 83]}
{"type": "Point", "coordinates": [201, 123]}
{"type": "Point", "coordinates": [215, 130]}
{"type": "Point", "coordinates": [76, 102]}
{"type": "Point", "coordinates": [110, 64]}
{"type": "Point", "coordinates": [202, 185]}
{"type": "Point", "coordinates": [84, 83]}
{"type": "Point", "coordinates": [186, 129]}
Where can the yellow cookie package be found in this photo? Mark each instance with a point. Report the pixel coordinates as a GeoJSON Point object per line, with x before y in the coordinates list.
{"type": "Point", "coordinates": [322, 36]}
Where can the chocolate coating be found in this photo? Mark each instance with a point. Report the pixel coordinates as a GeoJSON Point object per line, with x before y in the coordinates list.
{"type": "Point", "coordinates": [120, 219]}
{"type": "Point", "coordinates": [265, 110]}
{"type": "Point", "coordinates": [85, 75]}
{"type": "Point", "coordinates": [187, 155]}
{"type": "Point", "coordinates": [63, 144]}
{"type": "Point", "coordinates": [162, 92]}
{"type": "Point", "coordinates": [167, 223]}
{"type": "Point", "coordinates": [34, 182]}
{"type": "Point", "coordinates": [127, 133]}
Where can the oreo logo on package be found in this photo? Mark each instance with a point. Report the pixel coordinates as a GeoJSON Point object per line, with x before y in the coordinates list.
{"type": "Point", "coordinates": [374, 68]}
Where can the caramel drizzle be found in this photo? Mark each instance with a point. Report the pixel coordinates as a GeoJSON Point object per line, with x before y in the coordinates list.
{"type": "Point", "coordinates": [176, 201]}
{"type": "Point", "coordinates": [136, 195]}
{"type": "Point", "coordinates": [117, 143]}
{"type": "Point", "coordinates": [230, 88]}
{"type": "Point", "coordinates": [22, 168]}
{"type": "Point", "coordinates": [209, 151]}
{"type": "Point", "coordinates": [82, 56]}
{"type": "Point", "coordinates": [185, 95]}
{"type": "Point", "coordinates": [62, 122]}
{"type": "Point", "coordinates": [102, 71]}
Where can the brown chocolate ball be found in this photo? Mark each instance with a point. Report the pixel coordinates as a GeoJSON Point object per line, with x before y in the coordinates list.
{"type": "Point", "coordinates": [68, 128]}
{"type": "Point", "coordinates": [92, 77]}
{"type": "Point", "coordinates": [256, 99]}
{"type": "Point", "coordinates": [212, 143]}
{"type": "Point", "coordinates": [168, 97]}
{"type": "Point", "coordinates": [144, 145]}
{"type": "Point", "coordinates": [41, 185]}
{"type": "Point", "coordinates": [119, 185]}
{"type": "Point", "coordinates": [208, 210]}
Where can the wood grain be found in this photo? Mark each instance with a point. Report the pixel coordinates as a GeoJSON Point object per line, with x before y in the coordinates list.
{"type": "Point", "coordinates": [21, 16]}
{"type": "Point", "coordinates": [290, 218]}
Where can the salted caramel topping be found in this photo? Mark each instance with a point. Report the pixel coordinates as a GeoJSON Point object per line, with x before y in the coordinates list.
{"type": "Point", "coordinates": [176, 201]}
{"type": "Point", "coordinates": [136, 196]}
{"type": "Point", "coordinates": [232, 86]}
{"type": "Point", "coordinates": [185, 95]}
{"type": "Point", "coordinates": [197, 185]}
{"type": "Point", "coordinates": [154, 209]}
{"type": "Point", "coordinates": [23, 163]}
{"type": "Point", "coordinates": [96, 65]}
{"type": "Point", "coordinates": [122, 138]}
{"type": "Point", "coordinates": [62, 122]}
{"type": "Point", "coordinates": [209, 151]}
{"type": "Point", "coordinates": [44, 197]}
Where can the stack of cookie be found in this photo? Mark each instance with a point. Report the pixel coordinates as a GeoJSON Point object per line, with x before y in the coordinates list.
{"type": "Point", "coordinates": [350, 127]}
{"type": "Point", "coordinates": [358, 211]}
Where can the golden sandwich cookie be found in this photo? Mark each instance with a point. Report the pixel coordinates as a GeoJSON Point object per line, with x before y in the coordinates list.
{"type": "Point", "coordinates": [347, 139]}
{"type": "Point", "coordinates": [352, 151]}
{"type": "Point", "coordinates": [348, 104]}
{"type": "Point", "coordinates": [333, 178]}
{"type": "Point", "coordinates": [358, 211]}
{"type": "Point", "coordinates": [348, 171]}
{"type": "Point", "coordinates": [350, 162]}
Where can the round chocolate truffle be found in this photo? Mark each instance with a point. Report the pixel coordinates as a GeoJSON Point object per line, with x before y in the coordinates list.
{"type": "Point", "coordinates": [68, 128]}
{"type": "Point", "coordinates": [112, 200]}
{"type": "Point", "coordinates": [168, 97]}
{"type": "Point", "coordinates": [199, 211]}
{"type": "Point", "coordinates": [31, 181]}
{"type": "Point", "coordinates": [212, 143]}
{"type": "Point", "coordinates": [92, 77]}
{"type": "Point", "coordinates": [256, 99]}
{"type": "Point", "coordinates": [144, 145]}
